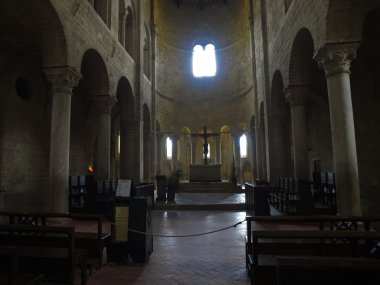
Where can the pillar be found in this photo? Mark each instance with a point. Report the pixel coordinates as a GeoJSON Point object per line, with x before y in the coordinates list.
{"type": "Point", "coordinates": [63, 79]}
{"type": "Point", "coordinates": [128, 153]}
{"type": "Point", "coordinates": [236, 138]}
{"type": "Point", "coordinates": [159, 153]}
{"type": "Point", "coordinates": [174, 165]}
{"type": "Point", "coordinates": [123, 19]}
{"type": "Point", "coordinates": [193, 150]}
{"type": "Point", "coordinates": [103, 105]}
{"type": "Point", "coordinates": [296, 95]}
{"type": "Point", "coordinates": [217, 150]}
{"type": "Point", "coordinates": [336, 60]}
{"type": "Point", "coordinates": [147, 155]}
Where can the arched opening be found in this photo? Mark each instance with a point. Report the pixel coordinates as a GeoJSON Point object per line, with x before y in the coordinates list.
{"type": "Point", "coordinates": [103, 8]}
{"type": "Point", "coordinates": [129, 32]}
{"type": "Point", "coordinates": [147, 54]}
{"type": "Point", "coordinates": [89, 103]}
{"type": "Point", "coordinates": [309, 99]}
{"type": "Point", "coordinates": [280, 132]}
{"type": "Point", "coordinates": [128, 132]}
{"type": "Point", "coordinates": [25, 100]}
{"type": "Point", "coordinates": [365, 90]}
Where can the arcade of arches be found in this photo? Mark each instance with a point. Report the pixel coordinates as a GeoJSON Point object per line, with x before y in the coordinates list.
{"type": "Point", "coordinates": [105, 83]}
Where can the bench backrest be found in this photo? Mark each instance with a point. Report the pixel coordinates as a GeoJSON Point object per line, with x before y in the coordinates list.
{"type": "Point", "coordinates": [294, 242]}
{"type": "Point", "coordinates": [38, 236]}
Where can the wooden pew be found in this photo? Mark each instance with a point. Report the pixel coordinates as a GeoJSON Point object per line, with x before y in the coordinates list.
{"type": "Point", "coordinates": [46, 250]}
{"type": "Point", "coordinates": [257, 199]}
{"type": "Point", "coordinates": [312, 222]}
{"type": "Point", "coordinates": [327, 270]}
{"type": "Point", "coordinates": [268, 245]}
{"type": "Point", "coordinates": [94, 242]}
{"type": "Point", "coordinates": [9, 273]}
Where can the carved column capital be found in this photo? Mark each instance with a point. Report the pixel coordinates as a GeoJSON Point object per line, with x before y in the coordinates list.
{"type": "Point", "coordinates": [336, 58]}
{"type": "Point", "coordinates": [103, 103]}
{"type": "Point", "coordinates": [63, 77]}
{"type": "Point", "coordinates": [296, 94]}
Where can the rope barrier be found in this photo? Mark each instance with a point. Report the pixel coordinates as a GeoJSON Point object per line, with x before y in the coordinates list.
{"type": "Point", "coordinates": [188, 235]}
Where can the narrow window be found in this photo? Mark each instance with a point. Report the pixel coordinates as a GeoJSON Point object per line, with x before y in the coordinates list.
{"type": "Point", "coordinates": [169, 146]}
{"type": "Point", "coordinates": [243, 146]}
{"type": "Point", "coordinates": [208, 151]}
{"type": "Point", "coordinates": [204, 61]}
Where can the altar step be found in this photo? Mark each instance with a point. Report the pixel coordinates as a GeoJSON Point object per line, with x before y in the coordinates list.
{"type": "Point", "coordinates": [209, 187]}
{"type": "Point", "coordinates": [204, 201]}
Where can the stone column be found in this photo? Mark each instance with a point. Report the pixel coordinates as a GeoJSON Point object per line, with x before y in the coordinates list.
{"type": "Point", "coordinates": [103, 105]}
{"type": "Point", "coordinates": [217, 150]}
{"type": "Point", "coordinates": [159, 154]}
{"type": "Point", "coordinates": [123, 19]}
{"type": "Point", "coordinates": [193, 150]}
{"type": "Point", "coordinates": [236, 138]}
{"type": "Point", "coordinates": [336, 60]}
{"type": "Point", "coordinates": [174, 139]}
{"type": "Point", "coordinates": [147, 155]}
{"type": "Point", "coordinates": [296, 95]}
{"type": "Point", "coordinates": [253, 154]}
{"type": "Point", "coordinates": [127, 149]}
{"type": "Point", "coordinates": [63, 80]}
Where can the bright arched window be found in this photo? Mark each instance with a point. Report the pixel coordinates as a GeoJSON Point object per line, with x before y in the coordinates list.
{"type": "Point", "coordinates": [243, 146]}
{"type": "Point", "coordinates": [209, 151]}
{"type": "Point", "coordinates": [169, 146]}
{"type": "Point", "coordinates": [204, 61]}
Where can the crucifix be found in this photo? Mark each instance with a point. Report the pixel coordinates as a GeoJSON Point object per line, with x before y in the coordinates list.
{"type": "Point", "coordinates": [205, 135]}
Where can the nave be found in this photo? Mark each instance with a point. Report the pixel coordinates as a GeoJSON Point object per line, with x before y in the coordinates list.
{"type": "Point", "coordinates": [216, 258]}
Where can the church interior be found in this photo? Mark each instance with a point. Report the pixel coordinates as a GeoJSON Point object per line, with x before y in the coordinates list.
{"type": "Point", "coordinates": [276, 97]}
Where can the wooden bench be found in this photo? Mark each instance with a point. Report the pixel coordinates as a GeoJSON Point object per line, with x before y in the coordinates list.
{"type": "Point", "coordinates": [9, 273]}
{"type": "Point", "coordinates": [94, 241]}
{"type": "Point", "coordinates": [266, 246]}
{"type": "Point", "coordinates": [314, 222]}
{"type": "Point", "coordinates": [327, 270]}
{"type": "Point", "coordinates": [46, 250]}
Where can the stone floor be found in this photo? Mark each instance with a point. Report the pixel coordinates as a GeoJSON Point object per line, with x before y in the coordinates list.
{"type": "Point", "coordinates": [216, 258]}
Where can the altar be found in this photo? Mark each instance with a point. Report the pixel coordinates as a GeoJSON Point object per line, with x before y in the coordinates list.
{"type": "Point", "coordinates": [205, 173]}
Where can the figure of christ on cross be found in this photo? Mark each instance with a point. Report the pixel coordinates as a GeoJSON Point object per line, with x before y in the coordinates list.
{"type": "Point", "coordinates": [205, 135]}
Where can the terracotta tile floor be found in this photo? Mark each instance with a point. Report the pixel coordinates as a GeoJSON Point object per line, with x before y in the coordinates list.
{"type": "Point", "coordinates": [216, 258]}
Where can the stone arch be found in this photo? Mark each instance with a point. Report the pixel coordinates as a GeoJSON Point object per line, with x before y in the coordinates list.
{"type": "Point", "coordinates": [90, 100]}
{"type": "Point", "coordinates": [42, 25]}
{"type": "Point", "coordinates": [31, 38]}
{"type": "Point", "coordinates": [365, 92]}
{"type": "Point", "coordinates": [104, 9]}
{"type": "Point", "coordinates": [308, 88]}
{"type": "Point", "coordinates": [345, 19]}
{"type": "Point", "coordinates": [280, 132]}
{"type": "Point", "coordinates": [300, 58]}
{"type": "Point", "coordinates": [128, 129]}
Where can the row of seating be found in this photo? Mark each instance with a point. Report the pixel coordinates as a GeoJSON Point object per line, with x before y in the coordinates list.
{"type": "Point", "coordinates": [312, 249]}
